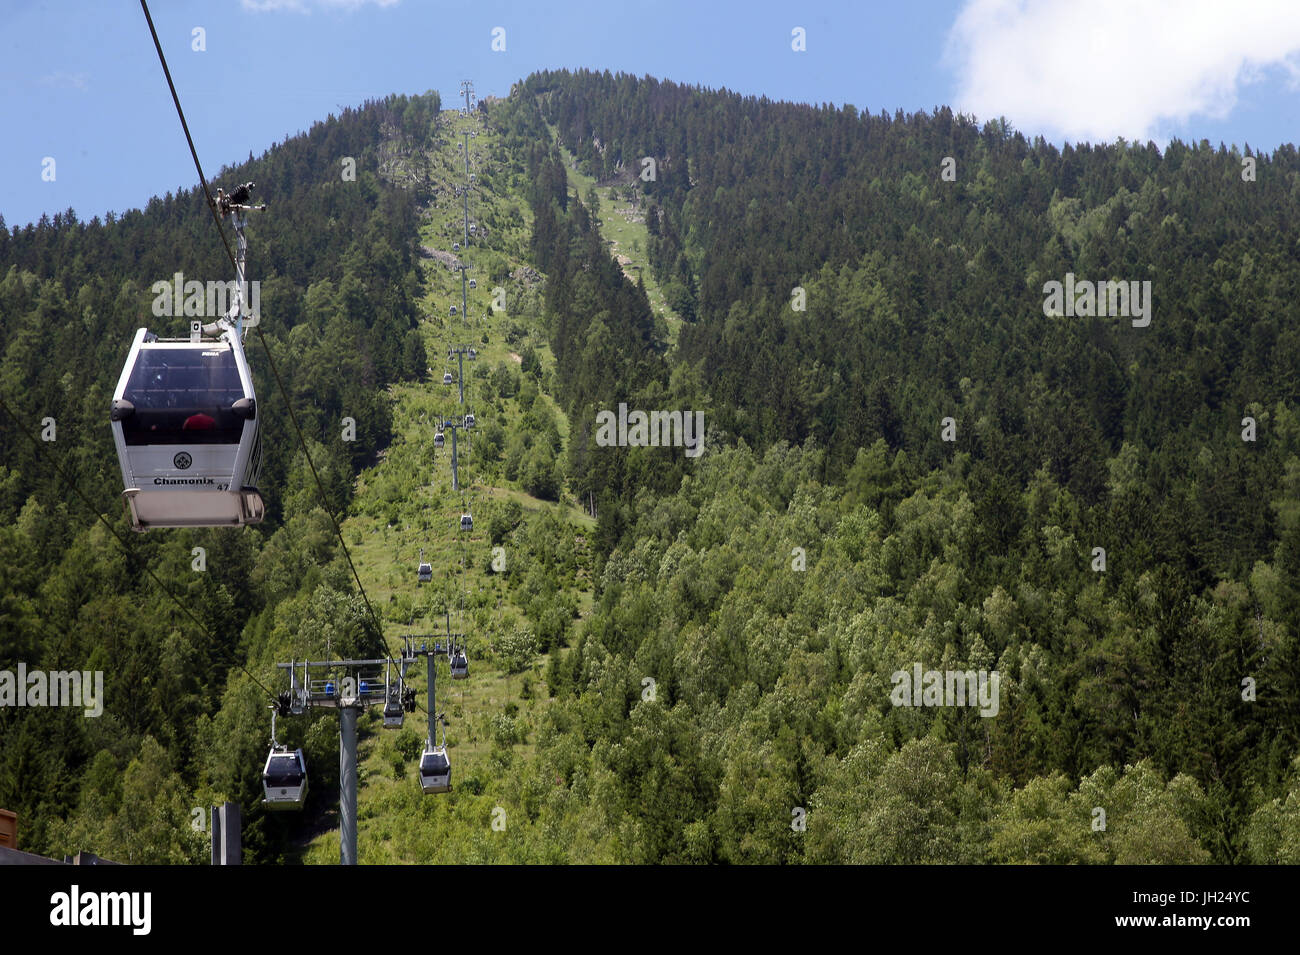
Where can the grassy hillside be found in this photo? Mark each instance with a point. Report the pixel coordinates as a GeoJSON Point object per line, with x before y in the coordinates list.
{"type": "Point", "coordinates": [405, 503]}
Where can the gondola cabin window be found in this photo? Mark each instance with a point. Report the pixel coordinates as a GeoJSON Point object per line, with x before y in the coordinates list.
{"type": "Point", "coordinates": [184, 396]}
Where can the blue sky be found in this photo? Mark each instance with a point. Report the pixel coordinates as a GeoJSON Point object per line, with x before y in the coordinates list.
{"type": "Point", "coordinates": [82, 84]}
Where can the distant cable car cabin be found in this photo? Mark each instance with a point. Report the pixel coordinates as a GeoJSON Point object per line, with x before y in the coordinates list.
{"type": "Point", "coordinates": [466, 522]}
{"type": "Point", "coordinates": [284, 779]}
{"type": "Point", "coordinates": [446, 378]}
{"type": "Point", "coordinates": [184, 421]}
{"type": "Point", "coordinates": [453, 310]}
{"type": "Point", "coordinates": [469, 421]}
{"type": "Point", "coordinates": [435, 768]}
{"type": "Point", "coordinates": [455, 247]}
{"type": "Point", "coordinates": [473, 283]}
{"type": "Point", "coordinates": [438, 441]}
{"type": "Point", "coordinates": [459, 665]}
{"type": "Point", "coordinates": [393, 713]}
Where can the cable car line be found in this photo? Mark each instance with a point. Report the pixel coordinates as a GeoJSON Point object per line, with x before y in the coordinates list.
{"type": "Point", "coordinates": [284, 776]}
{"type": "Point", "coordinates": [162, 59]}
{"type": "Point", "coordinates": [185, 126]}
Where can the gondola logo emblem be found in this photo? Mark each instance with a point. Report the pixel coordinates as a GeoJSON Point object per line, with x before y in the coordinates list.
{"type": "Point", "coordinates": [182, 461]}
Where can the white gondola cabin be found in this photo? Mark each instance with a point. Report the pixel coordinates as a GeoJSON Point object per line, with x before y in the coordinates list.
{"type": "Point", "coordinates": [438, 440]}
{"type": "Point", "coordinates": [446, 378]}
{"type": "Point", "coordinates": [393, 712]}
{"type": "Point", "coordinates": [284, 779]}
{"type": "Point", "coordinates": [466, 522]}
{"type": "Point", "coordinates": [435, 769]}
{"type": "Point", "coordinates": [453, 310]}
{"type": "Point", "coordinates": [424, 573]}
{"type": "Point", "coordinates": [459, 665]}
{"type": "Point", "coordinates": [473, 283]}
{"type": "Point", "coordinates": [469, 421]}
{"type": "Point", "coordinates": [184, 421]}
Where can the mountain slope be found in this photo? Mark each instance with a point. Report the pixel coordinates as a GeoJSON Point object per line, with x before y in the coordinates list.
{"type": "Point", "coordinates": [916, 469]}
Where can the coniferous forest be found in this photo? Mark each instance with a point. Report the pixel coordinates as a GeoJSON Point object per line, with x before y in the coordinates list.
{"type": "Point", "coordinates": [907, 463]}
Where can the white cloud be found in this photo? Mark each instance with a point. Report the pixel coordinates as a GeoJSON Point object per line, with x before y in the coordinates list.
{"type": "Point", "coordinates": [305, 6]}
{"type": "Point", "coordinates": [1099, 69]}
{"type": "Point", "coordinates": [65, 81]}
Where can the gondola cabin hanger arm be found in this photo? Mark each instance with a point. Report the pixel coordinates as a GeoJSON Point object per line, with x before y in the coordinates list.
{"type": "Point", "coordinates": [184, 415]}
